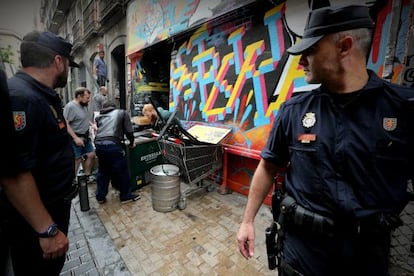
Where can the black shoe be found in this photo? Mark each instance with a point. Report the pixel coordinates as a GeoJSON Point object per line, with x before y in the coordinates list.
{"type": "Point", "coordinates": [101, 201]}
{"type": "Point", "coordinates": [130, 199]}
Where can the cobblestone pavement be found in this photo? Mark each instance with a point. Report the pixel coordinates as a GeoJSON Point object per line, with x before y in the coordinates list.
{"type": "Point", "coordinates": [133, 239]}
{"type": "Point", "coordinates": [91, 250]}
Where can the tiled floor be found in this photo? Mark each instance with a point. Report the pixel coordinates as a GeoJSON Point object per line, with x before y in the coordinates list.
{"type": "Point", "coordinates": [199, 240]}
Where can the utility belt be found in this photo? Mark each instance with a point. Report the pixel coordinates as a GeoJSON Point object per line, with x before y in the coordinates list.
{"type": "Point", "coordinates": [298, 218]}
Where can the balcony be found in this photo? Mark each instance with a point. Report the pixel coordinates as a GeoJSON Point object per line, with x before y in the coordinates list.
{"type": "Point", "coordinates": [90, 22]}
{"type": "Point", "coordinates": [57, 12]}
{"type": "Point", "coordinates": [76, 35]}
{"type": "Point", "coordinates": [111, 12]}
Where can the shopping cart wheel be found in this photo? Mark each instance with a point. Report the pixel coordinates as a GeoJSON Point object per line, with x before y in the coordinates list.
{"type": "Point", "coordinates": [182, 204]}
{"type": "Point", "coordinates": [210, 188]}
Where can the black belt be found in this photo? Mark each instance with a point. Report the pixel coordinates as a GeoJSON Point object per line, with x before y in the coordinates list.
{"type": "Point", "coordinates": [105, 143]}
{"type": "Point", "coordinates": [305, 220]}
{"type": "Point", "coordinates": [86, 135]}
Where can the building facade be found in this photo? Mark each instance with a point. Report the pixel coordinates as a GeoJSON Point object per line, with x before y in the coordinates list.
{"type": "Point", "coordinates": [220, 63]}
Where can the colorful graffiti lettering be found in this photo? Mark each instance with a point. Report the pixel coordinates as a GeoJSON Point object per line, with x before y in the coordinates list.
{"type": "Point", "coordinates": [243, 84]}
{"type": "Point", "coordinates": [246, 93]}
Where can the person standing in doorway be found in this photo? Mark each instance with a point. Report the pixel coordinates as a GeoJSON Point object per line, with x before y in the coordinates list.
{"type": "Point", "coordinates": [112, 125]}
{"type": "Point", "coordinates": [347, 148]}
{"type": "Point", "coordinates": [37, 201]}
{"type": "Point", "coordinates": [98, 100]}
{"type": "Point", "coordinates": [100, 72]}
{"type": "Point", "coordinates": [78, 121]}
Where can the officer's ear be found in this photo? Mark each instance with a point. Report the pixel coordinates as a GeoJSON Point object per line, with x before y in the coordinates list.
{"type": "Point", "coordinates": [345, 44]}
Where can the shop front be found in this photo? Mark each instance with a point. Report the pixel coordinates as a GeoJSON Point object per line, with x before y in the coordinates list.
{"type": "Point", "coordinates": [224, 64]}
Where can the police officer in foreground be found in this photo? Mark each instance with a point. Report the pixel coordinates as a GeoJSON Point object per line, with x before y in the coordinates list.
{"type": "Point", "coordinates": [348, 149]}
{"type": "Point", "coordinates": [37, 201]}
{"type": "Point", "coordinates": [8, 162]}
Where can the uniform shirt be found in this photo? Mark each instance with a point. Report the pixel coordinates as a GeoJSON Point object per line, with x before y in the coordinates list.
{"type": "Point", "coordinates": [8, 157]}
{"type": "Point", "coordinates": [348, 157]}
{"type": "Point", "coordinates": [44, 145]}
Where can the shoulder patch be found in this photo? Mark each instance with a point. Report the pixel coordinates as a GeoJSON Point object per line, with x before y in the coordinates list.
{"type": "Point", "coordinates": [389, 124]}
{"type": "Point", "coordinates": [19, 118]}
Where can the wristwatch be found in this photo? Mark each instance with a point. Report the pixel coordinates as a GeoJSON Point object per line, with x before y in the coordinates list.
{"type": "Point", "coordinates": [51, 231]}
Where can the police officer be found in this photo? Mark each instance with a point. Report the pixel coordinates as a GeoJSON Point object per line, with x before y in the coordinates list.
{"type": "Point", "coordinates": [348, 149]}
{"type": "Point", "coordinates": [37, 200]}
{"type": "Point", "coordinates": [8, 162]}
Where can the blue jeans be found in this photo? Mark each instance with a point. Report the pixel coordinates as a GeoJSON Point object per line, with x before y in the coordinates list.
{"type": "Point", "coordinates": [112, 167]}
{"type": "Point", "coordinates": [80, 151]}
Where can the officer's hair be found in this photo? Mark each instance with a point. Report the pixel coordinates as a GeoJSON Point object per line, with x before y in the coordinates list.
{"type": "Point", "coordinates": [80, 91]}
{"type": "Point", "coordinates": [362, 38]}
{"type": "Point", "coordinates": [33, 54]}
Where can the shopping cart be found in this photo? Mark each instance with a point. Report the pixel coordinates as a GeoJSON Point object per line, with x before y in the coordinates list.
{"type": "Point", "coordinates": [196, 159]}
{"type": "Point", "coordinates": [196, 162]}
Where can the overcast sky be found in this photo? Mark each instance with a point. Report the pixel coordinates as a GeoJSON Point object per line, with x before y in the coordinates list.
{"type": "Point", "coordinates": [19, 16]}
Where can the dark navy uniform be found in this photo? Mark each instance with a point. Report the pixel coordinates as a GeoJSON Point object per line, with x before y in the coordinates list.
{"type": "Point", "coordinates": [42, 136]}
{"type": "Point", "coordinates": [349, 157]}
{"type": "Point", "coordinates": [44, 148]}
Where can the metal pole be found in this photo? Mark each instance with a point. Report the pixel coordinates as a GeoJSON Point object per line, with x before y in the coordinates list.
{"type": "Point", "coordinates": [83, 192]}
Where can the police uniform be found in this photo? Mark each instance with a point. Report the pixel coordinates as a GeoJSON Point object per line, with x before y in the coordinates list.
{"type": "Point", "coordinates": [349, 157]}
{"type": "Point", "coordinates": [44, 148]}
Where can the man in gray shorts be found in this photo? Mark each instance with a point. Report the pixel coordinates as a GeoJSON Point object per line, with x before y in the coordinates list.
{"type": "Point", "coordinates": [78, 120]}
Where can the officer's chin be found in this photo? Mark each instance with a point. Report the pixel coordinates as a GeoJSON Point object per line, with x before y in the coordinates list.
{"type": "Point", "coordinates": [61, 81]}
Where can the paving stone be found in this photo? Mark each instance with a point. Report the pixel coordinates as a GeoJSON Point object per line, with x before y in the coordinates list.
{"type": "Point", "coordinates": [133, 239]}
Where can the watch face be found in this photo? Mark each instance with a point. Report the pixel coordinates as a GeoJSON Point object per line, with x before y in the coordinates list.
{"type": "Point", "coordinates": [52, 230]}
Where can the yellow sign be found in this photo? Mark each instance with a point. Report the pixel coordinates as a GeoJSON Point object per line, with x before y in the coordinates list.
{"type": "Point", "coordinates": [208, 134]}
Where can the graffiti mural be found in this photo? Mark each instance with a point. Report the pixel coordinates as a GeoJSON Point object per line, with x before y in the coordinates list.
{"type": "Point", "coordinates": [229, 75]}
{"type": "Point", "coordinates": [150, 21]}
{"type": "Point", "coordinates": [239, 74]}
{"type": "Point", "coordinates": [384, 29]}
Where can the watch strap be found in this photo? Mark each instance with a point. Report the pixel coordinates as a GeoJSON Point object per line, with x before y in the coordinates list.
{"type": "Point", "coordinates": [51, 231]}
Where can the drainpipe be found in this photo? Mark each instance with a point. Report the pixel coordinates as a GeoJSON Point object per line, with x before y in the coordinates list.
{"type": "Point", "coordinates": [392, 40]}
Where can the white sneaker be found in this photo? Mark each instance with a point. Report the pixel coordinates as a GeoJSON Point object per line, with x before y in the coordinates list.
{"type": "Point", "coordinates": [90, 179]}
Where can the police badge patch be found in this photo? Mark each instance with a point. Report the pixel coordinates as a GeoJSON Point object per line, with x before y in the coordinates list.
{"type": "Point", "coordinates": [389, 124]}
{"type": "Point", "coordinates": [309, 120]}
{"type": "Point", "coordinates": [19, 118]}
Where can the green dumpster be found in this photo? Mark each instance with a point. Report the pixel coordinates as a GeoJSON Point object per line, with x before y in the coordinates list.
{"type": "Point", "coordinates": [142, 158]}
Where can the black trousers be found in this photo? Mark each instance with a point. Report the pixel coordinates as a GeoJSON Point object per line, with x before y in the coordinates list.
{"type": "Point", "coordinates": [365, 254]}
{"type": "Point", "coordinates": [26, 253]}
{"type": "Point", "coordinates": [101, 80]}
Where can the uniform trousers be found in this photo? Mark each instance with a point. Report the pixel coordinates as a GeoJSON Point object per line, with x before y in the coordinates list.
{"type": "Point", "coordinates": [26, 253]}
{"type": "Point", "coordinates": [342, 254]}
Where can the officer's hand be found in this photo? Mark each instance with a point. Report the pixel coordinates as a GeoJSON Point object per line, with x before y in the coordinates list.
{"type": "Point", "coordinates": [245, 239]}
{"type": "Point", "coordinates": [55, 246]}
{"type": "Point", "coordinates": [132, 145]}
